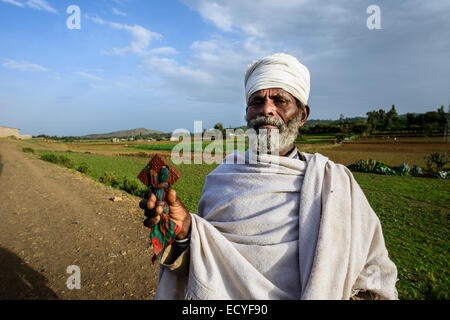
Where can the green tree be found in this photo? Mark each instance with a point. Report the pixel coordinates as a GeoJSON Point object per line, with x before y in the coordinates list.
{"type": "Point", "coordinates": [392, 119]}
{"type": "Point", "coordinates": [372, 120]}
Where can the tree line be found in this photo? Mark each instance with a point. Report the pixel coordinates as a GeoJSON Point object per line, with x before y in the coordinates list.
{"type": "Point", "coordinates": [380, 121]}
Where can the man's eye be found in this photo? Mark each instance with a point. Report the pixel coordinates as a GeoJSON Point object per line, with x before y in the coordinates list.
{"type": "Point", "coordinates": [255, 102]}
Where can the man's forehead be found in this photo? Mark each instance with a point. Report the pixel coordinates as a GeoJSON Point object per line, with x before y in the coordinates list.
{"type": "Point", "coordinates": [271, 92]}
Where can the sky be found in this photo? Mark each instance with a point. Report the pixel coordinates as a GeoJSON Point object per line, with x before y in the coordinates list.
{"type": "Point", "coordinates": [164, 64]}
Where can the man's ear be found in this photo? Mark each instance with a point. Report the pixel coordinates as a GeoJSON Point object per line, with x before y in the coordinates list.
{"type": "Point", "coordinates": [305, 116]}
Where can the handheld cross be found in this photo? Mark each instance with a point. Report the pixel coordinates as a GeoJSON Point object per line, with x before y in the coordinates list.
{"type": "Point", "coordinates": [159, 176]}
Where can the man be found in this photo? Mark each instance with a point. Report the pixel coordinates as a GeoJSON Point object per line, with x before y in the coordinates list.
{"type": "Point", "coordinates": [291, 226]}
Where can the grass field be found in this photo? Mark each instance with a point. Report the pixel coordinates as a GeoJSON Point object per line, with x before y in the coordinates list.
{"type": "Point", "coordinates": [414, 212]}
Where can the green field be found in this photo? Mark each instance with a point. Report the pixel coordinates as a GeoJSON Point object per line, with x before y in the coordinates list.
{"type": "Point", "coordinates": [414, 213]}
{"type": "Point", "coordinates": [308, 139]}
{"type": "Point", "coordinates": [187, 146]}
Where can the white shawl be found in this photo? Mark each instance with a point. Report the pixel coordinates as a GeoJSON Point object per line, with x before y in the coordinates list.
{"type": "Point", "coordinates": [254, 220]}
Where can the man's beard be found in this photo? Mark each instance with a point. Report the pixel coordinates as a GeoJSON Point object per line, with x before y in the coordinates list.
{"type": "Point", "coordinates": [287, 133]}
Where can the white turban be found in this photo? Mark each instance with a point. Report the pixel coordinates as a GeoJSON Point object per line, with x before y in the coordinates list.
{"type": "Point", "coordinates": [278, 71]}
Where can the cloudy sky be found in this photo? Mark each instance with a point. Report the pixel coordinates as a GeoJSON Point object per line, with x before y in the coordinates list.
{"type": "Point", "coordinates": [164, 64]}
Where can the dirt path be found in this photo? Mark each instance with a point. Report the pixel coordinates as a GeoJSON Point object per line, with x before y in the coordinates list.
{"type": "Point", "coordinates": [52, 218]}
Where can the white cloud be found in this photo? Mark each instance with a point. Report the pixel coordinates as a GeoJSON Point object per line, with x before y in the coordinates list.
{"type": "Point", "coordinates": [140, 36]}
{"type": "Point", "coordinates": [23, 65]}
{"type": "Point", "coordinates": [278, 19]}
{"type": "Point", "coordinates": [218, 14]}
{"type": "Point", "coordinates": [13, 2]}
{"type": "Point", "coordinates": [117, 12]}
{"type": "Point", "coordinates": [89, 76]}
{"type": "Point", "coordinates": [169, 68]}
{"type": "Point", "coordinates": [214, 74]}
{"type": "Point", "coordinates": [34, 4]}
{"type": "Point", "coordinates": [41, 5]}
{"type": "Point", "coordinates": [162, 51]}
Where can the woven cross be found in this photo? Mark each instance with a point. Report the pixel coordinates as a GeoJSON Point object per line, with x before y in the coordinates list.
{"type": "Point", "coordinates": [159, 176]}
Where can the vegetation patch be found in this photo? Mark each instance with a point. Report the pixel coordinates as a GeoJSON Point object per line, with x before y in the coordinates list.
{"type": "Point", "coordinates": [58, 159]}
{"type": "Point", "coordinates": [83, 168]}
{"type": "Point", "coordinates": [435, 167]}
{"type": "Point", "coordinates": [28, 150]}
{"type": "Point", "coordinates": [190, 146]}
{"type": "Point", "coordinates": [109, 179]}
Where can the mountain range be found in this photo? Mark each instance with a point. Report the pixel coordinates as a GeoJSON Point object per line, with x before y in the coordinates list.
{"type": "Point", "coordinates": [124, 134]}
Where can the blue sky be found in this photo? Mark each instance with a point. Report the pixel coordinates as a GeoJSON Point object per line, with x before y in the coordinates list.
{"type": "Point", "coordinates": [164, 64]}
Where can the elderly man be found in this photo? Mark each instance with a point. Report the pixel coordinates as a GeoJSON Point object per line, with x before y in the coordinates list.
{"type": "Point", "coordinates": [290, 226]}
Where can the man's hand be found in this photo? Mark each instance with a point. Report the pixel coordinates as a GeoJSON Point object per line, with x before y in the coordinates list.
{"type": "Point", "coordinates": [177, 212]}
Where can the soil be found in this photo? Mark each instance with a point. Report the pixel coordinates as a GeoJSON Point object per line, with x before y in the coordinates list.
{"type": "Point", "coordinates": [53, 218]}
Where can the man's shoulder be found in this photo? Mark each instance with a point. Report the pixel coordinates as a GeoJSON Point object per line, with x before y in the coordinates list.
{"type": "Point", "coordinates": [330, 164]}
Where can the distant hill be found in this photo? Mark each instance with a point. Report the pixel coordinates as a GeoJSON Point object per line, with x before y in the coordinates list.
{"type": "Point", "coordinates": [123, 134]}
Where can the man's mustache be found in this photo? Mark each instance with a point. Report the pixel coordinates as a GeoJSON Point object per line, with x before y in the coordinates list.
{"type": "Point", "coordinates": [263, 120]}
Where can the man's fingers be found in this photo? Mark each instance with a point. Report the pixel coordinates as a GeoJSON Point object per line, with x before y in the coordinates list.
{"type": "Point", "coordinates": [153, 209]}
{"type": "Point", "coordinates": [159, 209]}
{"type": "Point", "coordinates": [151, 222]}
{"type": "Point", "coordinates": [171, 197]}
{"type": "Point", "coordinates": [148, 203]}
{"type": "Point", "coordinates": [149, 195]}
{"type": "Point", "coordinates": [143, 204]}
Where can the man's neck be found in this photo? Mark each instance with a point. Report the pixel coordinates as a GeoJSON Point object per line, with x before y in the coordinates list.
{"type": "Point", "coordinates": [287, 150]}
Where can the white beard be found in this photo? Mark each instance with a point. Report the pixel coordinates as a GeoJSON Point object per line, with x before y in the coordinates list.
{"type": "Point", "coordinates": [271, 141]}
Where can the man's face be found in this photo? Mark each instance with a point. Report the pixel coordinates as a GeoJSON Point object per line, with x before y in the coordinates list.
{"type": "Point", "coordinates": [272, 102]}
{"type": "Point", "coordinates": [276, 109]}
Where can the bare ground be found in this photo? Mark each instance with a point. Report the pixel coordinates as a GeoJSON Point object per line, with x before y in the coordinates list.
{"type": "Point", "coordinates": [52, 218]}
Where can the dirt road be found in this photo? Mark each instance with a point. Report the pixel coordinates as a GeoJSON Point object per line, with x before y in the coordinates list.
{"type": "Point", "coordinates": [52, 218]}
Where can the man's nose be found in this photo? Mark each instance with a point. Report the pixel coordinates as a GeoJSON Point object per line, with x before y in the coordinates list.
{"type": "Point", "coordinates": [268, 107]}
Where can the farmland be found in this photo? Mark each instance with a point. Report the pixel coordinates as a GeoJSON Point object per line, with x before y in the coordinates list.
{"type": "Point", "coordinates": [414, 212]}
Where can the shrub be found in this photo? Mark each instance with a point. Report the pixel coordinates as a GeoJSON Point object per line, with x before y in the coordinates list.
{"type": "Point", "coordinates": [358, 166]}
{"type": "Point", "coordinates": [132, 187]}
{"type": "Point", "coordinates": [50, 158]}
{"type": "Point", "coordinates": [385, 170]}
{"type": "Point", "coordinates": [366, 166]}
{"type": "Point", "coordinates": [61, 160]}
{"type": "Point", "coordinates": [435, 162]}
{"type": "Point", "coordinates": [371, 166]}
{"type": "Point", "coordinates": [83, 168]}
{"type": "Point", "coordinates": [28, 150]}
{"type": "Point", "coordinates": [443, 175]}
{"type": "Point", "coordinates": [403, 169]}
{"type": "Point", "coordinates": [66, 162]}
{"type": "Point", "coordinates": [416, 171]}
{"type": "Point", "coordinates": [109, 178]}
{"type": "Point", "coordinates": [340, 137]}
